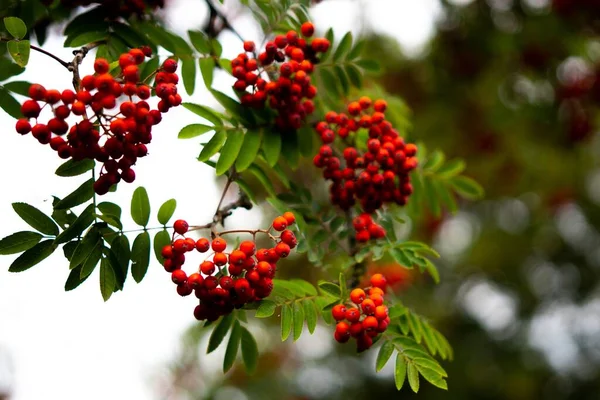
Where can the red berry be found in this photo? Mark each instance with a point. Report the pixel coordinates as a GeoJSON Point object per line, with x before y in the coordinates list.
{"type": "Point", "coordinates": [368, 307]}
{"type": "Point", "coordinates": [237, 257]}
{"type": "Point", "coordinates": [248, 247]}
{"type": "Point", "coordinates": [30, 109]}
{"type": "Point", "coordinates": [338, 312]}
{"type": "Point", "coordinates": [357, 295]}
{"type": "Point", "coordinates": [170, 65]}
{"type": "Point", "coordinates": [289, 217]}
{"type": "Point", "coordinates": [23, 126]}
{"type": "Point", "coordinates": [370, 323]}
{"type": "Point", "coordinates": [379, 281]}
{"type": "Point", "coordinates": [352, 314]}
{"type": "Point", "coordinates": [220, 259]}
{"type": "Point", "coordinates": [202, 245]}
{"type": "Point", "coordinates": [207, 267]}
{"type": "Point", "coordinates": [167, 251]}
{"type": "Point", "coordinates": [381, 313]}
{"type": "Point", "coordinates": [37, 92]}
{"type": "Point", "coordinates": [283, 250]}
{"type": "Point", "coordinates": [280, 223]}
{"type": "Point", "coordinates": [178, 276]}
{"type": "Point", "coordinates": [249, 46]}
{"type": "Point", "coordinates": [307, 29]}
{"type": "Point", "coordinates": [180, 226]}
{"type": "Point", "coordinates": [219, 244]}
{"type": "Point", "coordinates": [101, 66]}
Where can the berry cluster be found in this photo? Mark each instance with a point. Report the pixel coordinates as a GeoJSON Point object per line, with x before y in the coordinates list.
{"type": "Point", "coordinates": [227, 280]}
{"type": "Point", "coordinates": [365, 318]}
{"type": "Point", "coordinates": [289, 91]}
{"type": "Point", "coordinates": [114, 8]}
{"type": "Point", "coordinates": [116, 137]}
{"type": "Point", "coordinates": [379, 175]}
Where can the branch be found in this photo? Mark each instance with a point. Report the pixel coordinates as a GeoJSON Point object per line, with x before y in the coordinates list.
{"type": "Point", "coordinates": [40, 50]}
{"type": "Point", "coordinates": [215, 13]}
{"type": "Point", "coordinates": [358, 269]}
{"type": "Point", "coordinates": [73, 66]}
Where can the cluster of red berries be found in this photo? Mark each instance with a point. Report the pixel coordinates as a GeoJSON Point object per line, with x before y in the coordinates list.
{"type": "Point", "coordinates": [289, 91]}
{"type": "Point", "coordinates": [114, 8]}
{"type": "Point", "coordinates": [229, 280]}
{"type": "Point", "coordinates": [365, 318]}
{"type": "Point", "coordinates": [116, 137]}
{"type": "Point", "coordinates": [379, 175]}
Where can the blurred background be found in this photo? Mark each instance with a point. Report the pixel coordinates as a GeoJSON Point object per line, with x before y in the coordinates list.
{"type": "Point", "coordinates": [513, 87]}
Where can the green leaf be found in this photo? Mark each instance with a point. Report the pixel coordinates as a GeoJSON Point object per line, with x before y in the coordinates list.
{"type": "Point", "coordinates": [369, 65]}
{"type": "Point", "coordinates": [331, 289]}
{"type": "Point", "coordinates": [109, 208]}
{"type": "Point", "coordinates": [140, 256]}
{"type": "Point", "coordinates": [401, 258]}
{"type": "Point", "coordinates": [148, 68]}
{"type": "Point", "coordinates": [161, 239]}
{"type": "Point", "coordinates": [18, 242]}
{"type": "Point", "coordinates": [385, 352]}
{"type": "Point", "coordinates": [330, 83]}
{"type": "Point", "coordinates": [343, 288]}
{"type": "Point", "coordinates": [343, 47]}
{"type": "Point", "coordinates": [451, 168]}
{"type": "Point", "coordinates": [8, 103]}
{"type": "Point", "coordinates": [230, 151]}
{"type": "Point", "coordinates": [413, 377]}
{"type": "Point", "coordinates": [200, 41]}
{"type": "Point", "coordinates": [400, 371]}
{"type": "Point", "coordinates": [74, 279]}
{"type": "Point", "coordinates": [298, 317]}
{"type": "Point", "coordinates": [265, 309]}
{"type": "Point", "coordinates": [310, 313]}
{"type": "Point", "coordinates": [249, 351]}
{"type": "Point", "coordinates": [91, 261]}
{"type": "Point", "coordinates": [85, 38]}
{"type": "Point", "coordinates": [432, 198]}
{"type": "Point", "coordinates": [434, 161]}
{"type": "Point", "coordinates": [271, 146]}
{"type": "Point", "coordinates": [205, 112]}
{"type": "Point", "coordinates": [75, 168]}
{"type": "Point", "coordinates": [232, 346]}
{"type": "Point", "coordinates": [247, 155]}
{"type": "Point", "coordinates": [467, 187]}
{"type": "Point", "coordinates": [219, 332]}
{"type": "Point", "coordinates": [140, 206]}
{"type": "Point", "coordinates": [84, 220]}
{"type": "Point", "coordinates": [356, 50]}
{"type": "Point", "coordinates": [234, 108]}
{"type": "Point", "coordinates": [19, 51]}
{"type": "Point", "coordinates": [306, 287]}
{"type": "Point", "coordinates": [213, 146]}
{"type": "Point", "coordinates": [82, 194]}
{"type": "Point", "coordinates": [207, 67]}
{"type": "Point", "coordinates": [122, 252]}
{"type": "Point", "coordinates": [188, 74]}
{"type": "Point", "coordinates": [36, 219]}
{"type": "Point", "coordinates": [33, 256]}
{"type": "Point", "coordinates": [166, 210]}
{"type": "Point", "coordinates": [16, 27]}
{"type": "Point", "coordinates": [290, 150]}
{"type": "Point", "coordinates": [287, 316]}
{"type": "Point", "coordinates": [108, 280]}
{"type": "Point", "coordinates": [85, 248]}
{"type": "Point", "coordinates": [194, 130]}
{"type": "Point", "coordinates": [263, 179]}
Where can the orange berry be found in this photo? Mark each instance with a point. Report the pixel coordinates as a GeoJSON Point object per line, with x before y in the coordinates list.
{"type": "Point", "coordinates": [368, 307]}
{"type": "Point", "coordinates": [219, 244]}
{"type": "Point", "coordinates": [202, 245]}
{"type": "Point", "coordinates": [338, 312]}
{"type": "Point", "coordinates": [289, 217]}
{"type": "Point", "coordinates": [357, 295]}
{"type": "Point", "coordinates": [381, 312]}
{"type": "Point", "coordinates": [378, 281]}
{"type": "Point", "coordinates": [220, 259]}
{"type": "Point", "coordinates": [248, 247]}
{"type": "Point", "coordinates": [280, 223]}
{"type": "Point", "coordinates": [370, 323]}
{"type": "Point", "coordinates": [352, 314]}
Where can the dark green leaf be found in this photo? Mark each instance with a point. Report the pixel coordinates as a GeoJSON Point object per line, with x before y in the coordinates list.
{"type": "Point", "coordinates": [290, 150]}
{"type": "Point", "coordinates": [148, 68]}
{"type": "Point", "coordinates": [8, 103]}
{"type": "Point", "coordinates": [213, 146]}
{"type": "Point", "coordinates": [87, 37]}
{"type": "Point", "coordinates": [109, 208]}
{"type": "Point", "coordinates": [306, 287]}
{"type": "Point", "coordinates": [400, 371]}
{"type": "Point", "coordinates": [122, 253]}
{"type": "Point", "coordinates": [354, 75]}
{"type": "Point", "coordinates": [287, 316]}
{"type": "Point", "coordinates": [19, 51]}
{"type": "Point", "coordinates": [18, 242]}
{"type": "Point", "coordinates": [166, 210]}
{"type": "Point", "coordinates": [33, 256]}
{"type": "Point", "coordinates": [265, 309]}
{"type": "Point", "coordinates": [140, 206]}
{"type": "Point", "coordinates": [432, 197]}
{"type": "Point", "coordinates": [16, 27]}
{"type": "Point", "coordinates": [219, 332]}
{"type": "Point", "coordinates": [385, 352]}
{"type": "Point", "coordinates": [204, 112]}
{"type": "Point", "coordinates": [74, 168]}
{"type": "Point", "coordinates": [232, 346]}
{"type": "Point", "coordinates": [271, 146]}
{"type": "Point", "coordinates": [451, 168]}
{"type": "Point", "coordinates": [330, 83]}
{"type": "Point", "coordinates": [249, 351]}
{"type": "Point", "coordinates": [74, 279]}
{"type": "Point", "coordinates": [82, 194]}
{"type": "Point", "coordinates": [252, 142]}
{"type": "Point", "coordinates": [234, 108]}
{"type": "Point", "coordinates": [230, 151]}
{"type": "Point", "coordinates": [140, 256]}
{"type": "Point", "coordinates": [401, 257]}
{"type": "Point", "coordinates": [310, 313]}
{"type": "Point", "coordinates": [84, 220]}
{"type": "Point", "coordinates": [369, 65]}
{"type": "Point", "coordinates": [161, 239]}
{"type": "Point", "coordinates": [36, 219]}
{"type": "Point", "coordinates": [356, 50]}
{"type": "Point", "coordinates": [85, 247]}
{"type": "Point", "coordinates": [92, 260]}
{"type": "Point", "coordinates": [263, 179]}
{"type": "Point", "coordinates": [107, 279]}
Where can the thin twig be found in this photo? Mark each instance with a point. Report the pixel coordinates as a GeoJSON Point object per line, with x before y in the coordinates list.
{"type": "Point", "coordinates": [79, 56]}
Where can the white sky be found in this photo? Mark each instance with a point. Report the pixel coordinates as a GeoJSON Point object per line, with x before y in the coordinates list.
{"type": "Point", "coordinates": [73, 345]}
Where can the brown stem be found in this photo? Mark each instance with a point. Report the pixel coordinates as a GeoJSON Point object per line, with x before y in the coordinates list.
{"type": "Point", "coordinates": [79, 56]}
